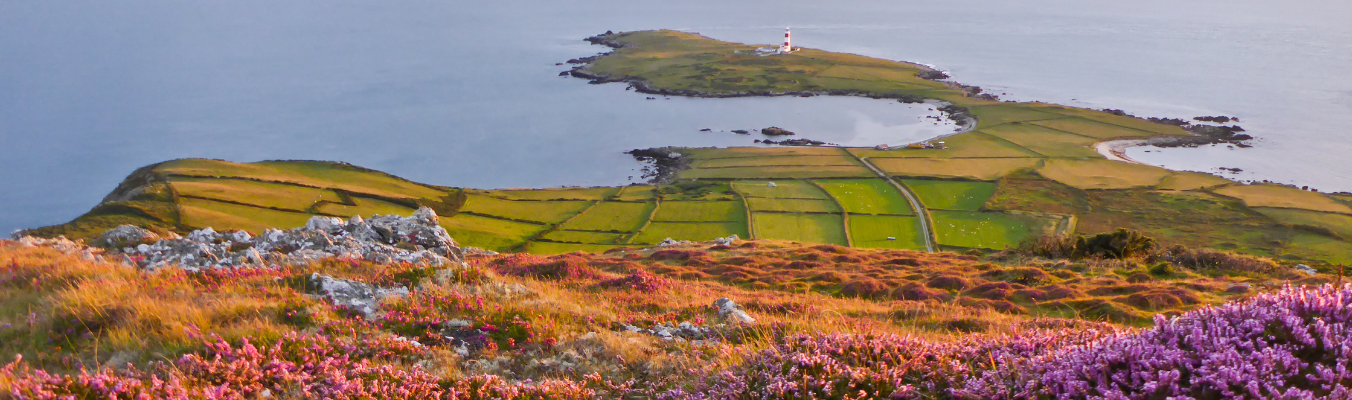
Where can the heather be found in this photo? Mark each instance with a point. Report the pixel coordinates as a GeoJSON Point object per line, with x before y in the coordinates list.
{"type": "Point", "coordinates": [827, 322]}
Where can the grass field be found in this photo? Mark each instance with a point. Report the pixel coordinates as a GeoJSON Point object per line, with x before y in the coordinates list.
{"type": "Point", "coordinates": [694, 231]}
{"type": "Point", "coordinates": [583, 237]}
{"type": "Point", "coordinates": [365, 207]}
{"type": "Point", "coordinates": [1192, 181]}
{"type": "Point", "coordinates": [1266, 195]}
{"type": "Point", "coordinates": [488, 233]}
{"type": "Point", "coordinates": [872, 231]}
{"type": "Point", "coordinates": [612, 217]}
{"type": "Point", "coordinates": [951, 195]}
{"type": "Point", "coordinates": [226, 216]}
{"type": "Point", "coordinates": [810, 228]}
{"type": "Point", "coordinates": [536, 211]}
{"type": "Point", "coordinates": [276, 195]}
{"type": "Point", "coordinates": [785, 189]}
{"type": "Point", "coordinates": [1003, 113]}
{"type": "Point", "coordinates": [700, 211]}
{"type": "Point", "coordinates": [768, 161]}
{"type": "Point", "coordinates": [1044, 141]}
{"type": "Point", "coordinates": [792, 205]}
{"type": "Point", "coordinates": [1094, 129]}
{"type": "Point", "coordinates": [1102, 174]}
{"type": "Point", "coordinates": [554, 194]}
{"type": "Point", "coordinates": [636, 193]}
{"type": "Point", "coordinates": [1338, 224]}
{"type": "Point", "coordinates": [984, 169]}
{"type": "Point", "coordinates": [308, 173]}
{"type": "Point", "coordinates": [985, 230]}
{"type": "Point", "coordinates": [777, 172]}
{"type": "Point", "coordinates": [867, 196]}
{"type": "Point", "coordinates": [967, 145]}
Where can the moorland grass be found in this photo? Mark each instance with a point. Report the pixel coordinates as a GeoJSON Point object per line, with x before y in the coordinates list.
{"type": "Point", "coordinates": [695, 231]}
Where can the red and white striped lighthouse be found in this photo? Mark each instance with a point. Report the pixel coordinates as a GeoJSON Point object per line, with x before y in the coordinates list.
{"type": "Point", "coordinates": [786, 48]}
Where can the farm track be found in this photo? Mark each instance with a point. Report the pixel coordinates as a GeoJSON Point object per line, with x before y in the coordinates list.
{"type": "Point", "coordinates": [925, 227]}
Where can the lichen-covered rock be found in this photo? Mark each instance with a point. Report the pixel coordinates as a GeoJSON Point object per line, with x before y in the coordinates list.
{"type": "Point", "coordinates": [355, 296]}
{"type": "Point", "coordinates": [382, 239]}
{"type": "Point", "coordinates": [125, 236]}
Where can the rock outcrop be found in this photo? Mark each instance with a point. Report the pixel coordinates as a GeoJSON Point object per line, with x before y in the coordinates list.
{"type": "Point", "coordinates": [381, 239]}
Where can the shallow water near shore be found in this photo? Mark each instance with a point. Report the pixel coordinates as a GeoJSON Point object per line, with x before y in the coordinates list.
{"type": "Point", "coordinates": [468, 95]}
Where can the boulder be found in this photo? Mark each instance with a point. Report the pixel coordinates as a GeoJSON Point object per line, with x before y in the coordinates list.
{"type": "Point", "coordinates": [125, 236]}
{"type": "Point", "coordinates": [731, 311]}
{"type": "Point", "coordinates": [356, 296]}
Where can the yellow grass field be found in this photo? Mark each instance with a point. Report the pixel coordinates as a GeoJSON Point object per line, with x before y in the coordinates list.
{"type": "Point", "coordinates": [326, 175]}
{"type": "Point", "coordinates": [291, 197]}
{"type": "Point", "coordinates": [1265, 195]}
{"type": "Point", "coordinates": [1093, 128]}
{"type": "Point", "coordinates": [972, 168]}
{"type": "Point", "coordinates": [965, 145]}
{"type": "Point", "coordinates": [1102, 174]}
{"type": "Point", "coordinates": [226, 217]}
{"type": "Point", "coordinates": [1045, 141]}
{"type": "Point", "coordinates": [775, 161]}
{"type": "Point", "coordinates": [555, 194]}
{"type": "Point", "coordinates": [488, 233]}
{"type": "Point", "coordinates": [1192, 181]}
{"type": "Point", "coordinates": [782, 172]}
{"type": "Point", "coordinates": [365, 207]}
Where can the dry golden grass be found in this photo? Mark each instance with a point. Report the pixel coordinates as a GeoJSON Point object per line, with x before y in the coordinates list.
{"type": "Point", "coordinates": [1102, 174]}
{"type": "Point", "coordinates": [1268, 195]}
{"type": "Point", "coordinates": [985, 169]}
{"type": "Point", "coordinates": [1192, 181]}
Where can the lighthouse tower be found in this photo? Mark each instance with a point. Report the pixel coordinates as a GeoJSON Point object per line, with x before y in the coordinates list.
{"type": "Point", "coordinates": [786, 48]}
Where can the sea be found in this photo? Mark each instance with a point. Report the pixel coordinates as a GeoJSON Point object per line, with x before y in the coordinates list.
{"type": "Point", "coordinates": [467, 94]}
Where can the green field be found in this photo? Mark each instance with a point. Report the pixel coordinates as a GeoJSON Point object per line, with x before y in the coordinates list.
{"type": "Point", "coordinates": [583, 237]}
{"type": "Point", "coordinates": [365, 207]}
{"type": "Point", "coordinates": [778, 172]}
{"type": "Point", "coordinates": [873, 230]}
{"type": "Point", "coordinates": [612, 217]}
{"type": "Point", "coordinates": [694, 231]}
{"type": "Point", "coordinates": [700, 211]}
{"type": "Point", "coordinates": [1094, 129]}
{"type": "Point", "coordinates": [554, 194]}
{"type": "Point", "coordinates": [1267, 195]}
{"type": "Point", "coordinates": [951, 195]}
{"type": "Point", "coordinates": [771, 161]}
{"type": "Point", "coordinates": [984, 169]}
{"type": "Point", "coordinates": [307, 173]}
{"type": "Point", "coordinates": [636, 193]}
{"type": "Point", "coordinates": [196, 212]}
{"type": "Point", "coordinates": [792, 205]}
{"type": "Point", "coordinates": [1192, 181]}
{"type": "Point", "coordinates": [1045, 142]}
{"type": "Point", "coordinates": [811, 228]}
{"type": "Point", "coordinates": [488, 233]}
{"type": "Point", "coordinates": [1338, 224]}
{"type": "Point", "coordinates": [867, 196]}
{"type": "Point", "coordinates": [275, 195]}
{"type": "Point", "coordinates": [547, 212]}
{"type": "Point", "coordinates": [785, 189]}
{"type": "Point", "coordinates": [985, 230]}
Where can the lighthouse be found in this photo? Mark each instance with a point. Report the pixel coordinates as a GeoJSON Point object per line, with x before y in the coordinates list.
{"type": "Point", "coordinates": [786, 48]}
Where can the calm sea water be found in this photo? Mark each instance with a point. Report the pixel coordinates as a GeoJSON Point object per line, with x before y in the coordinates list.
{"type": "Point", "coordinates": [467, 94]}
